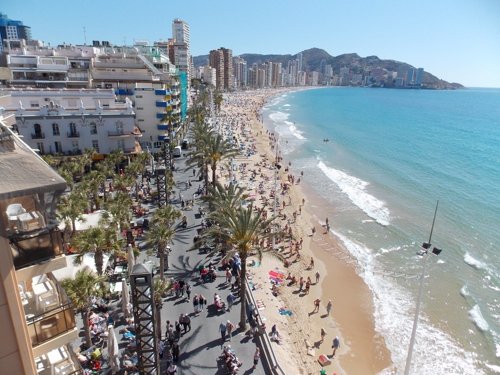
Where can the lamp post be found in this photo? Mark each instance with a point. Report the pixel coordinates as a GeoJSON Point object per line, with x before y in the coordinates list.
{"type": "Point", "coordinates": [276, 171]}
{"type": "Point", "coordinates": [425, 254]}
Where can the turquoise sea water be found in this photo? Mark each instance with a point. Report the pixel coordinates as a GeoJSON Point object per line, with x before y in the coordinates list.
{"type": "Point", "coordinates": [391, 155]}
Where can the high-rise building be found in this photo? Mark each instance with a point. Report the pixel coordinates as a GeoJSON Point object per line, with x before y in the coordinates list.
{"type": "Point", "coordinates": [222, 61]}
{"type": "Point", "coordinates": [228, 68]}
{"type": "Point", "coordinates": [12, 30]}
{"type": "Point", "coordinates": [181, 46]}
{"type": "Point", "coordinates": [216, 61]}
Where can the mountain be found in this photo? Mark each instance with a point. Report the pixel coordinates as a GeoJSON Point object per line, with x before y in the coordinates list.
{"type": "Point", "coordinates": [314, 59]}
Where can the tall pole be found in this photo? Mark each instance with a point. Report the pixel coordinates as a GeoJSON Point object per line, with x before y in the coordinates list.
{"type": "Point", "coordinates": [275, 191]}
{"type": "Point", "coordinates": [419, 298]}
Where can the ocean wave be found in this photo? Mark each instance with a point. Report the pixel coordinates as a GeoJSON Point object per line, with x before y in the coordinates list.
{"type": "Point", "coordinates": [494, 368]}
{"type": "Point", "coordinates": [473, 262]}
{"type": "Point", "coordinates": [296, 133]}
{"type": "Point", "coordinates": [464, 291]}
{"type": "Point", "coordinates": [279, 116]}
{"type": "Point", "coordinates": [354, 188]}
{"type": "Point", "coordinates": [477, 318]}
{"type": "Point", "coordinates": [394, 309]}
{"type": "Point", "coordinates": [286, 105]}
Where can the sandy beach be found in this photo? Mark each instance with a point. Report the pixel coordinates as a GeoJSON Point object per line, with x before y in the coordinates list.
{"type": "Point", "coordinates": [290, 307]}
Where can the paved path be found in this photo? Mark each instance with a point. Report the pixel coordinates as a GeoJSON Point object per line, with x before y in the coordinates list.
{"type": "Point", "coordinates": [200, 347]}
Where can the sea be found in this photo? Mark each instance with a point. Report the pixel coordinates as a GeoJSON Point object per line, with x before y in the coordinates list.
{"type": "Point", "coordinates": [383, 159]}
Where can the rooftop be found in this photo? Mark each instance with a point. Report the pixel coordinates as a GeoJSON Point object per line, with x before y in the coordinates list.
{"type": "Point", "coordinates": [23, 171]}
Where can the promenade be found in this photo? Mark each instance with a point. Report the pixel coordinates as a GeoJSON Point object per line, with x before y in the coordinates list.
{"type": "Point", "coordinates": [202, 345]}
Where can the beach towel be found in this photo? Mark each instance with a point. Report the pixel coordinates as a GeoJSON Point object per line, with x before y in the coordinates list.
{"type": "Point", "coordinates": [284, 311]}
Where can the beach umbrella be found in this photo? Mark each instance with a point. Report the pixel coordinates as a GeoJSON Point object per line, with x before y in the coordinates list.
{"type": "Point", "coordinates": [113, 350]}
{"type": "Point", "coordinates": [130, 258]}
{"type": "Point", "coordinates": [126, 307]}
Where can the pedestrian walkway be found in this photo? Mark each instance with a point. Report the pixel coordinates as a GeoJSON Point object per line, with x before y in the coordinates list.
{"type": "Point", "coordinates": [202, 345]}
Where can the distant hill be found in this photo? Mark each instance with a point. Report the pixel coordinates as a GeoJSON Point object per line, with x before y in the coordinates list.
{"type": "Point", "coordinates": [314, 58]}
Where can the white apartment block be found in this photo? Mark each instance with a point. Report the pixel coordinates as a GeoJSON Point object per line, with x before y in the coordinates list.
{"type": "Point", "coordinates": [67, 122]}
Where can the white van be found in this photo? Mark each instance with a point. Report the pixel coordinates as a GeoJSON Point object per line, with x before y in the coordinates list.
{"type": "Point", "coordinates": [177, 152]}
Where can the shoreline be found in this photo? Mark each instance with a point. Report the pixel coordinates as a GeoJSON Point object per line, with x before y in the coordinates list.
{"type": "Point", "coordinates": [362, 349]}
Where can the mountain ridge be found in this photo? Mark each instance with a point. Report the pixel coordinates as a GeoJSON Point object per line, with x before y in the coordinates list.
{"type": "Point", "coordinates": [314, 58]}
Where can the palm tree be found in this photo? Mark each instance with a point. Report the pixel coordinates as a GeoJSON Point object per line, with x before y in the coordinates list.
{"type": "Point", "coordinates": [242, 229]}
{"type": "Point", "coordinates": [80, 291]}
{"type": "Point", "coordinates": [218, 99]}
{"type": "Point", "coordinates": [218, 149]}
{"type": "Point", "coordinates": [119, 209]}
{"type": "Point", "coordinates": [91, 184]}
{"type": "Point", "coordinates": [72, 206]}
{"type": "Point", "coordinates": [97, 241]}
{"type": "Point", "coordinates": [166, 216]}
{"type": "Point", "coordinates": [160, 236]}
{"type": "Point", "coordinates": [225, 197]}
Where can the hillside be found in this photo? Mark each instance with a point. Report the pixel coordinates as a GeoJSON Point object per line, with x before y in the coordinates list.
{"type": "Point", "coordinates": [315, 58]}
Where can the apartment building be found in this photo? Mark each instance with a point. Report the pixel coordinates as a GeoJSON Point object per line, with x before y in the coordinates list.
{"type": "Point", "coordinates": [67, 122]}
{"type": "Point", "coordinates": [36, 318]}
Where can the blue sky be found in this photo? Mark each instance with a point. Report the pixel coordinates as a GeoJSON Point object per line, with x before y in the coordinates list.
{"type": "Point", "coordinates": [456, 40]}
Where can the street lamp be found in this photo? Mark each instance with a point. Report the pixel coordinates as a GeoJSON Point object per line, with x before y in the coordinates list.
{"type": "Point", "coordinates": [424, 252]}
{"type": "Point", "coordinates": [277, 167]}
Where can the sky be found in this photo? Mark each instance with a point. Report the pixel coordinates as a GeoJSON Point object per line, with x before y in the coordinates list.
{"type": "Point", "coordinates": [456, 40]}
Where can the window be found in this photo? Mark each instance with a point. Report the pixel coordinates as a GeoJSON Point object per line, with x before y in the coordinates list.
{"type": "Point", "coordinates": [119, 127]}
{"type": "Point", "coordinates": [39, 146]}
{"type": "Point", "coordinates": [158, 144]}
{"type": "Point", "coordinates": [58, 147]}
{"type": "Point", "coordinates": [93, 128]}
{"type": "Point", "coordinates": [138, 96]}
{"type": "Point", "coordinates": [72, 128]}
{"type": "Point", "coordinates": [55, 129]}
{"type": "Point", "coordinates": [74, 146]}
{"type": "Point", "coordinates": [34, 104]}
{"type": "Point", "coordinates": [95, 145]}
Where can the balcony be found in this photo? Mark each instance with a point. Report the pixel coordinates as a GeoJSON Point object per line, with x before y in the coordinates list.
{"type": "Point", "coordinates": [31, 229]}
{"type": "Point", "coordinates": [118, 133]}
{"type": "Point", "coordinates": [48, 311]}
{"type": "Point", "coordinates": [161, 103]}
{"type": "Point", "coordinates": [37, 135]}
{"type": "Point", "coordinates": [60, 361]}
{"type": "Point", "coordinates": [162, 126]}
{"type": "Point", "coordinates": [73, 134]}
{"type": "Point", "coordinates": [162, 92]}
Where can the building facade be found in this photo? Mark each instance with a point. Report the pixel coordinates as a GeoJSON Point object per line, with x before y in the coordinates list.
{"type": "Point", "coordinates": [37, 320]}
{"type": "Point", "coordinates": [12, 30]}
{"type": "Point", "coordinates": [67, 122]}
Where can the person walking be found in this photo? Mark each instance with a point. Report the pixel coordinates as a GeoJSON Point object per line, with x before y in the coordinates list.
{"type": "Point", "coordinates": [187, 321]}
{"type": "Point", "coordinates": [229, 329]}
{"type": "Point", "coordinates": [317, 277]}
{"type": "Point", "coordinates": [195, 304]}
{"type": "Point", "coordinates": [230, 300]}
{"type": "Point", "coordinates": [202, 302]}
{"type": "Point", "coordinates": [335, 345]}
{"type": "Point", "coordinates": [175, 352]}
{"type": "Point", "coordinates": [323, 334]}
{"type": "Point", "coordinates": [229, 276]}
{"type": "Point", "coordinates": [222, 329]}
{"type": "Point", "coordinates": [317, 301]}
{"type": "Point", "coordinates": [256, 358]}
{"type": "Point", "coordinates": [329, 306]}
{"type": "Point", "coordinates": [188, 291]}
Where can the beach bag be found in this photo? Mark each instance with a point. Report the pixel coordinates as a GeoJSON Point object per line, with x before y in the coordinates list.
{"type": "Point", "coordinates": [324, 360]}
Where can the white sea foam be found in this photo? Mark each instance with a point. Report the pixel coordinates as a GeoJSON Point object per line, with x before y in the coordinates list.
{"type": "Point", "coordinates": [477, 318]}
{"type": "Point", "coordinates": [279, 116]}
{"type": "Point", "coordinates": [473, 262]}
{"type": "Point", "coordinates": [355, 189]}
{"type": "Point", "coordinates": [494, 368]}
{"type": "Point", "coordinates": [296, 133]}
{"type": "Point", "coordinates": [464, 292]}
{"type": "Point", "coordinates": [394, 309]}
{"type": "Point", "coordinates": [286, 105]}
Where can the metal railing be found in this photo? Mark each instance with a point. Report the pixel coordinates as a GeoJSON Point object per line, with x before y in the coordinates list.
{"type": "Point", "coordinates": [37, 135]}
{"type": "Point", "coordinates": [53, 323]}
{"type": "Point", "coordinates": [265, 342]}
